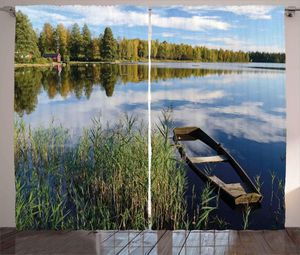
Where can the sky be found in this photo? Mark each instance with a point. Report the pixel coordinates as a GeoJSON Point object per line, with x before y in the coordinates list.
{"type": "Point", "coordinates": [246, 28]}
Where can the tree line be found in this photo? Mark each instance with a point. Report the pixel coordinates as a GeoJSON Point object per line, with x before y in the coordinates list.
{"type": "Point", "coordinates": [267, 57]}
{"type": "Point", "coordinates": [78, 44]}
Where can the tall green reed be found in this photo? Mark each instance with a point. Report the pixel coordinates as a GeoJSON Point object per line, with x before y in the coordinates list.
{"type": "Point", "coordinates": [168, 178]}
{"type": "Point", "coordinates": [209, 203]}
{"type": "Point", "coordinates": [97, 182]}
{"type": "Point", "coordinates": [246, 214]}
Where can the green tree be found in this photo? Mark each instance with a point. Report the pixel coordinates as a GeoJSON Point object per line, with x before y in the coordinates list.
{"type": "Point", "coordinates": [75, 42]}
{"type": "Point", "coordinates": [100, 44]}
{"type": "Point", "coordinates": [47, 42]}
{"type": "Point", "coordinates": [162, 50]}
{"type": "Point", "coordinates": [108, 45]}
{"type": "Point", "coordinates": [154, 48]}
{"type": "Point", "coordinates": [87, 42]}
{"type": "Point", "coordinates": [26, 48]}
{"type": "Point", "coordinates": [95, 49]}
{"type": "Point", "coordinates": [143, 49]}
{"type": "Point", "coordinates": [123, 48]}
{"type": "Point", "coordinates": [61, 37]}
{"type": "Point", "coordinates": [135, 45]}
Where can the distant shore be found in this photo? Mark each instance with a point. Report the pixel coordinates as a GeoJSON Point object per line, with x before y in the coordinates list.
{"type": "Point", "coordinates": [38, 64]}
{"type": "Point", "coordinates": [73, 63]}
{"type": "Point", "coordinates": [52, 64]}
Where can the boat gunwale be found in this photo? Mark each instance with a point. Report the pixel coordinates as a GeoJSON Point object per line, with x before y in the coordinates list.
{"type": "Point", "coordinates": [200, 135]}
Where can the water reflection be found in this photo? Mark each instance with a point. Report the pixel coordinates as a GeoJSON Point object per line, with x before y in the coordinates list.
{"type": "Point", "coordinates": [217, 100]}
{"type": "Point", "coordinates": [81, 80]}
{"type": "Point", "coordinates": [27, 87]}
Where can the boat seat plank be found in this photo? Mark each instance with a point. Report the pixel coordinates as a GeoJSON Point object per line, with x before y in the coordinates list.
{"type": "Point", "coordinates": [234, 189]}
{"type": "Point", "coordinates": [237, 191]}
{"type": "Point", "coordinates": [210, 159]}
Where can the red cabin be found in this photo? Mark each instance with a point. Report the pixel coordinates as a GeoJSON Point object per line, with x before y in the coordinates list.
{"type": "Point", "coordinates": [56, 57]}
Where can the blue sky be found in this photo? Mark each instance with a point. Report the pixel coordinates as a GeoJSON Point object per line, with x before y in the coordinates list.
{"type": "Point", "coordinates": [247, 28]}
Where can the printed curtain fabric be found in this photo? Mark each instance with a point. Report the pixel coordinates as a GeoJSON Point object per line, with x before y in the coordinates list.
{"type": "Point", "coordinates": [188, 133]}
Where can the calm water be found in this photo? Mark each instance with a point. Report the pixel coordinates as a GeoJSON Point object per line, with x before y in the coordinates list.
{"type": "Point", "coordinates": [240, 105]}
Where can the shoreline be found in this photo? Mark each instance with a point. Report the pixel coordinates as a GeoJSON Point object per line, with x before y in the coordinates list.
{"type": "Point", "coordinates": [142, 62]}
{"type": "Point", "coordinates": [52, 64]}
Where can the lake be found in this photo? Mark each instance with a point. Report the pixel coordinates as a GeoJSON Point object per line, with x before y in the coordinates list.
{"type": "Point", "coordinates": [242, 106]}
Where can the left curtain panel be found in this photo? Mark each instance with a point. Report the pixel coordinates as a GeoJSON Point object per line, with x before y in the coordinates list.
{"type": "Point", "coordinates": [81, 159]}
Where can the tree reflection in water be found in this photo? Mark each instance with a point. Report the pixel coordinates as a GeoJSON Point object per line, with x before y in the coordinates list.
{"type": "Point", "coordinates": [81, 79]}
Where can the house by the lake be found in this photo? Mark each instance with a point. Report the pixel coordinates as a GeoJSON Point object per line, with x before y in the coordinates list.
{"type": "Point", "coordinates": [56, 57]}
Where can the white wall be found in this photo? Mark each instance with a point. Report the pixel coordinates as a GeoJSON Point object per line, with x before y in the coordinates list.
{"type": "Point", "coordinates": [292, 187]}
{"type": "Point", "coordinates": [7, 31]}
{"type": "Point", "coordinates": [7, 182]}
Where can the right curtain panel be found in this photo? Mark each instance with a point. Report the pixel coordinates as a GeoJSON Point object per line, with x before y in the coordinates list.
{"type": "Point", "coordinates": [218, 117]}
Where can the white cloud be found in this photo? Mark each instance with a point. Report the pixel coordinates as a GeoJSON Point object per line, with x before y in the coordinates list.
{"type": "Point", "coordinates": [234, 43]}
{"type": "Point", "coordinates": [236, 79]}
{"type": "Point", "coordinates": [190, 95]}
{"type": "Point", "coordinates": [167, 34]}
{"type": "Point", "coordinates": [246, 47]}
{"type": "Point", "coordinates": [111, 108]}
{"type": "Point", "coordinates": [115, 15]}
{"type": "Point", "coordinates": [194, 23]}
{"type": "Point", "coordinates": [279, 110]}
{"type": "Point", "coordinates": [247, 120]}
{"type": "Point", "coordinates": [37, 15]}
{"type": "Point", "coordinates": [229, 43]}
{"type": "Point", "coordinates": [250, 11]}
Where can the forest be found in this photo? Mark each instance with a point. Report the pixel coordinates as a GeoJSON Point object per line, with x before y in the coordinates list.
{"type": "Point", "coordinates": [77, 44]}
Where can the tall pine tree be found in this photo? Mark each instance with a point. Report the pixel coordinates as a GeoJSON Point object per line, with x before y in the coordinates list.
{"type": "Point", "coordinates": [87, 43]}
{"type": "Point", "coordinates": [61, 37]}
{"type": "Point", "coordinates": [26, 48]}
{"type": "Point", "coordinates": [47, 43]}
{"type": "Point", "coordinates": [75, 42]}
{"type": "Point", "coordinates": [108, 46]}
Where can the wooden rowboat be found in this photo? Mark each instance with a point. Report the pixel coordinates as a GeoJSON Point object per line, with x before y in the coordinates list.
{"type": "Point", "coordinates": [240, 194]}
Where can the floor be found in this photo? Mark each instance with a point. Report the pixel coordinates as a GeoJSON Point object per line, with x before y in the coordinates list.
{"type": "Point", "coordinates": [150, 242]}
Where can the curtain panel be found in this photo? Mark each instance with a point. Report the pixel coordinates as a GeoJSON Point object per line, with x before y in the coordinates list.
{"type": "Point", "coordinates": [162, 118]}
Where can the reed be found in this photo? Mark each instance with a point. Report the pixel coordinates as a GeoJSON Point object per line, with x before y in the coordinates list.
{"type": "Point", "coordinates": [97, 182]}
{"type": "Point", "coordinates": [246, 214]}
{"type": "Point", "coordinates": [280, 194]}
{"type": "Point", "coordinates": [220, 223]}
{"type": "Point", "coordinates": [273, 176]}
{"type": "Point", "coordinates": [208, 198]}
{"type": "Point", "coordinates": [258, 182]}
{"type": "Point", "coordinates": [168, 178]}
{"type": "Point", "coordinates": [277, 191]}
